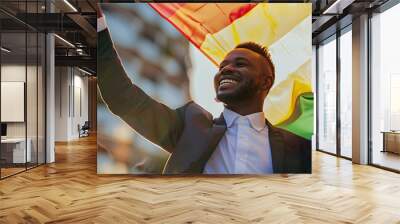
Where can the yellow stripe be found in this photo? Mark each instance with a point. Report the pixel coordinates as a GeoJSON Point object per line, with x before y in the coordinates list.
{"type": "Point", "coordinates": [281, 100]}
{"type": "Point", "coordinates": [292, 50]}
{"type": "Point", "coordinates": [264, 24]}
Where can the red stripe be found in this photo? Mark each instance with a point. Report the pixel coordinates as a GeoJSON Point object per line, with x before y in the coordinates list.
{"type": "Point", "coordinates": [99, 11]}
{"type": "Point", "coordinates": [166, 9]}
{"type": "Point", "coordinates": [197, 20]}
{"type": "Point", "coordinates": [241, 11]}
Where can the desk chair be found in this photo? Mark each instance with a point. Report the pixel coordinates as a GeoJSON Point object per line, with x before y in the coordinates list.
{"type": "Point", "coordinates": [84, 130]}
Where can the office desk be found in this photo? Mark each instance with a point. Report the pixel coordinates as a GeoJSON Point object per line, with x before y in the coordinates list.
{"type": "Point", "coordinates": [13, 150]}
{"type": "Point", "coordinates": [391, 141]}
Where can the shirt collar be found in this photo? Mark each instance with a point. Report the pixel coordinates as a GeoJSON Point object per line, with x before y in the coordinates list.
{"type": "Point", "coordinates": [257, 120]}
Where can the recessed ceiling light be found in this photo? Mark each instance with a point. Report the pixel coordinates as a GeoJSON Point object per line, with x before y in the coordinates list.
{"type": "Point", "coordinates": [333, 9]}
{"type": "Point", "coordinates": [5, 50]}
{"type": "Point", "coordinates": [84, 71]}
{"type": "Point", "coordinates": [65, 41]}
{"type": "Point", "coordinates": [337, 7]}
{"type": "Point", "coordinates": [70, 5]}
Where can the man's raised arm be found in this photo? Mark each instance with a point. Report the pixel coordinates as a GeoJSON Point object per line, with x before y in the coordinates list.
{"type": "Point", "coordinates": [155, 121]}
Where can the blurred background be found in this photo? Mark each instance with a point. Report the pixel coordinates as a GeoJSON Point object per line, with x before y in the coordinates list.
{"type": "Point", "coordinates": [163, 63]}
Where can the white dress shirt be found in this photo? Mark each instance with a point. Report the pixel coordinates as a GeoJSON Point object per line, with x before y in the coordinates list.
{"type": "Point", "coordinates": [244, 149]}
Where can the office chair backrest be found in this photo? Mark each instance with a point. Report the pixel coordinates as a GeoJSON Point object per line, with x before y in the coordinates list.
{"type": "Point", "coordinates": [86, 125]}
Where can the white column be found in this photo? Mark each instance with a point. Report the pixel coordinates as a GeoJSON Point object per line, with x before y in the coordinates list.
{"type": "Point", "coordinates": [50, 100]}
{"type": "Point", "coordinates": [360, 90]}
{"type": "Point", "coordinates": [62, 103]}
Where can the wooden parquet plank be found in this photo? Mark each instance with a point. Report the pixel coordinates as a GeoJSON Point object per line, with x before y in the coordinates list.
{"type": "Point", "coordinates": [70, 191]}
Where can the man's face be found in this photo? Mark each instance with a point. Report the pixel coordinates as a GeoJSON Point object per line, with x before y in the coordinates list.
{"type": "Point", "coordinates": [241, 76]}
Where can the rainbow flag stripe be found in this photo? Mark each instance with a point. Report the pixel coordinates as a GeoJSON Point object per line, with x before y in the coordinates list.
{"type": "Point", "coordinates": [285, 28]}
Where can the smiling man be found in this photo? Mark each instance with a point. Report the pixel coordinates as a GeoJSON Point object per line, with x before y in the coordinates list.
{"type": "Point", "coordinates": [240, 141]}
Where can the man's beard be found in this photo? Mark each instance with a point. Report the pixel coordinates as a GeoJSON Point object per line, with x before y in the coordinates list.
{"type": "Point", "coordinates": [244, 91]}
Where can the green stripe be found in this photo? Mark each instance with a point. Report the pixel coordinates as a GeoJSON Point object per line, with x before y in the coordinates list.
{"type": "Point", "coordinates": [301, 122]}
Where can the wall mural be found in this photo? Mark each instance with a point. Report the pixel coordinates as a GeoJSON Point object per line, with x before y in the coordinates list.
{"type": "Point", "coordinates": [211, 88]}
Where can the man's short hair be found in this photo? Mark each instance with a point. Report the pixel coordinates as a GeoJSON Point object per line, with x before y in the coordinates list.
{"type": "Point", "coordinates": [261, 50]}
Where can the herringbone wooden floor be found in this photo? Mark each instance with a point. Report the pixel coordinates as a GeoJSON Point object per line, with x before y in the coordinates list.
{"type": "Point", "coordinates": [70, 191]}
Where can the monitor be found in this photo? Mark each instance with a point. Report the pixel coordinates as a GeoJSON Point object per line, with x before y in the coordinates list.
{"type": "Point", "coordinates": [3, 129]}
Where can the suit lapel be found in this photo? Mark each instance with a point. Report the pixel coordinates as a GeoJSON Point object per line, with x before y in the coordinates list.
{"type": "Point", "coordinates": [217, 131]}
{"type": "Point", "coordinates": [213, 136]}
{"type": "Point", "coordinates": [277, 148]}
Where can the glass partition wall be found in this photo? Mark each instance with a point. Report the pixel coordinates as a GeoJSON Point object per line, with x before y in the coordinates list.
{"type": "Point", "coordinates": [385, 90]}
{"type": "Point", "coordinates": [345, 61]}
{"type": "Point", "coordinates": [334, 78]}
{"type": "Point", "coordinates": [13, 110]}
{"type": "Point", "coordinates": [334, 106]}
{"type": "Point", "coordinates": [22, 88]}
{"type": "Point", "coordinates": [327, 96]}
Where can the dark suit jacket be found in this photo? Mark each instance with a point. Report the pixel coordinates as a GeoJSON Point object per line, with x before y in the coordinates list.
{"type": "Point", "coordinates": [189, 133]}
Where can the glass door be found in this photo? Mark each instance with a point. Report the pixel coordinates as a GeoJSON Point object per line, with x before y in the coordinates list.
{"type": "Point", "coordinates": [346, 93]}
{"type": "Point", "coordinates": [385, 90]}
{"type": "Point", "coordinates": [22, 77]}
{"type": "Point", "coordinates": [14, 154]}
{"type": "Point", "coordinates": [327, 96]}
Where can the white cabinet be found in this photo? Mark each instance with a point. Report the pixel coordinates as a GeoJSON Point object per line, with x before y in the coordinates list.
{"type": "Point", "coordinates": [18, 149]}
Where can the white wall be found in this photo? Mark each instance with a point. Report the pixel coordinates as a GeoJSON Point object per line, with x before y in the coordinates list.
{"type": "Point", "coordinates": [61, 104]}
{"type": "Point", "coordinates": [80, 85]}
{"type": "Point", "coordinates": [71, 93]}
{"type": "Point", "coordinates": [33, 126]}
{"type": "Point", "coordinates": [12, 101]}
{"type": "Point", "coordinates": [11, 73]}
{"type": "Point", "coordinates": [16, 73]}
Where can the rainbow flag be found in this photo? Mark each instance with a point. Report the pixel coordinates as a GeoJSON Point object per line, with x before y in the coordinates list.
{"type": "Point", "coordinates": [285, 28]}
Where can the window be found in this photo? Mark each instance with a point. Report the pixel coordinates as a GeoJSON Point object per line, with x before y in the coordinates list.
{"type": "Point", "coordinates": [346, 93]}
{"type": "Point", "coordinates": [385, 89]}
{"type": "Point", "coordinates": [327, 96]}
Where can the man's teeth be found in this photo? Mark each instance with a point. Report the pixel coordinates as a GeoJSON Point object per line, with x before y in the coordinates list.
{"type": "Point", "coordinates": [226, 81]}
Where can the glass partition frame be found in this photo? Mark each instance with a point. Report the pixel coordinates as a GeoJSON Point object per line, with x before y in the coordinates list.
{"type": "Point", "coordinates": [336, 145]}
{"type": "Point", "coordinates": [34, 67]}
